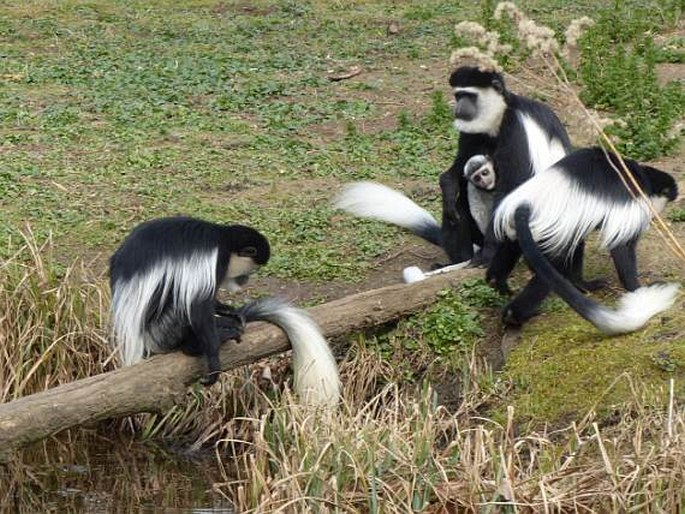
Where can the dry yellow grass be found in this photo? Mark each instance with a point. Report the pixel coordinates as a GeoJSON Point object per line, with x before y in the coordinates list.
{"type": "Point", "coordinates": [51, 322]}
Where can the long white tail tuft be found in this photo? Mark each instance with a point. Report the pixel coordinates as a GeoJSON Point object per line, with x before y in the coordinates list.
{"type": "Point", "coordinates": [376, 201]}
{"type": "Point", "coordinates": [635, 309]}
{"type": "Point", "coordinates": [316, 373]}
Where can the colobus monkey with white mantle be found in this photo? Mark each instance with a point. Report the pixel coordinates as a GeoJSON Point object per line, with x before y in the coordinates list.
{"type": "Point", "coordinates": [522, 136]}
{"type": "Point", "coordinates": [164, 279]}
{"type": "Point", "coordinates": [551, 215]}
{"type": "Point", "coordinates": [376, 201]}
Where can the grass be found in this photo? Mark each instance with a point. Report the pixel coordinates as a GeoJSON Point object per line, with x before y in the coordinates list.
{"type": "Point", "coordinates": [130, 114]}
{"type": "Point", "coordinates": [563, 366]}
{"type": "Point", "coordinates": [399, 455]}
{"type": "Point", "coordinates": [617, 49]}
{"type": "Point", "coordinates": [50, 322]}
{"type": "Point", "coordinates": [115, 113]}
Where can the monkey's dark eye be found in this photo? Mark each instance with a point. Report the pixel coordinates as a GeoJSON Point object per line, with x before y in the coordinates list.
{"type": "Point", "coordinates": [464, 94]}
{"type": "Point", "coordinates": [248, 251]}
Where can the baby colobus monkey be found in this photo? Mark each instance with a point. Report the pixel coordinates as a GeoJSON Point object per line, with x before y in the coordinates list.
{"type": "Point", "coordinates": [479, 170]}
{"type": "Point", "coordinates": [551, 215]}
{"type": "Point", "coordinates": [164, 279]}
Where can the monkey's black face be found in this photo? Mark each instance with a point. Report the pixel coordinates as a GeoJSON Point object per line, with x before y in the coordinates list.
{"type": "Point", "coordinates": [480, 100]}
{"type": "Point", "coordinates": [669, 190]}
{"type": "Point", "coordinates": [248, 250]}
{"type": "Point", "coordinates": [239, 270]}
{"type": "Point", "coordinates": [663, 184]}
{"type": "Point", "coordinates": [466, 106]}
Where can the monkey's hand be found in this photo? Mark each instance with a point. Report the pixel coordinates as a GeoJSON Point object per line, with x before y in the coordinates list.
{"type": "Point", "coordinates": [230, 326]}
{"type": "Point", "coordinates": [479, 260]}
{"type": "Point", "coordinates": [501, 286]}
{"type": "Point", "coordinates": [230, 321]}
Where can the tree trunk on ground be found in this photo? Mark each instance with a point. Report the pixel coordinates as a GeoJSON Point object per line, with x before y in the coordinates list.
{"type": "Point", "coordinates": [155, 384]}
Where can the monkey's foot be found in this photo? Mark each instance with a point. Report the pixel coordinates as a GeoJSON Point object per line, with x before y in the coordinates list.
{"type": "Point", "coordinates": [501, 286]}
{"type": "Point", "coordinates": [513, 317]}
{"type": "Point", "coordinates": [509, 318]}
{"type": "Point", "coordinates": [479, 260]}
{"type": "Point", "coordinates": [588, 286]}
{"type": "Point", "coordinates": [209, 379]}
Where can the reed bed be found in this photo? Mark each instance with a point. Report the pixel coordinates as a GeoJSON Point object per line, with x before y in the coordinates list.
{"type": "Point", "coordinates": [399, 452]}
{"type": "Point", "coordinates": [52, 321]}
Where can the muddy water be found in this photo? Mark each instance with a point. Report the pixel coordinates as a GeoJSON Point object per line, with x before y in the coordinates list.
{"type": "Point", "coordinates": [95, 473]}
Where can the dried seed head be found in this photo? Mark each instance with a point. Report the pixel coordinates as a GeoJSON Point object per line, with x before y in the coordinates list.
{"type": "Point", "coordinates": [472, 56]}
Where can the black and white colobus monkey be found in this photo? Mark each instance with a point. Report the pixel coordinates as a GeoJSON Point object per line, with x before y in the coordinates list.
{"type": "Point", "coordinates": [376, 201]}
{"type": "Point", "coordinates": [551, 215]}
{"type": "Point", "coordinates": [522, 136]}
{"type": "Point", "coordinates": [480, 173]}
{"type": "Point", "coordinates": [164, 279]}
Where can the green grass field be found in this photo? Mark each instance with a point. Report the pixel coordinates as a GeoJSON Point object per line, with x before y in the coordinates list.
{"type": "Point", "coordinates": [116, 112]}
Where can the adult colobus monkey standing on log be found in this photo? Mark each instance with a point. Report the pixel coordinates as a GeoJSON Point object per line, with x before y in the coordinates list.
{"type": "Point", "coordinates": [164, 279]}
{"type": "Point", "coordinates": [551, 215]}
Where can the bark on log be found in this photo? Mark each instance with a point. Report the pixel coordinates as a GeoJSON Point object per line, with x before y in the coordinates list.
{"type": "Point", "coordinates": [157, 383]}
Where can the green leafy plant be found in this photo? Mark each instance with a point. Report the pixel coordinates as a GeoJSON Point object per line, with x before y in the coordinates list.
{"type": "Point", "coordinates": [618, 74]}
{"type": "Point", "coordinates": [677, 215]}
{"type": "Point", "coordinates": [450, 326]}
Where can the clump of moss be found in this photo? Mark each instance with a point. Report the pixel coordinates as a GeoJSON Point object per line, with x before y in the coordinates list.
{"type": "Point", "coordinates": [563, 367]}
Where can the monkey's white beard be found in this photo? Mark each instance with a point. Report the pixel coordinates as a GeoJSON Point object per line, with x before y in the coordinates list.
{"type": "Point", "coordinates": [562, 214]}
{"type": "Point", "coordinates": [186, 280]}
{"type": "Point", "coordinates": [491, 108]}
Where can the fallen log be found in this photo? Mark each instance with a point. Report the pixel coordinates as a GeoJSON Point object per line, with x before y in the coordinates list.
{"type": "Point", "coordinates": [156, 384]}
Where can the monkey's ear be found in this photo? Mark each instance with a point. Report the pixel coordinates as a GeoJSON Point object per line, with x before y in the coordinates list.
{"type": "Point", "coordinates": [248, 251]}
{"type": "Point", "coordinates": [498, 86]}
